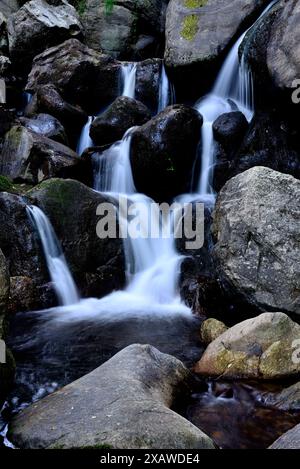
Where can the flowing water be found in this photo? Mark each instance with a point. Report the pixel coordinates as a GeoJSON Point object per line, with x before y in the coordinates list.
{"type": "Point", "coordinates": [60, 274]}
{"type": "Point", "coordinates": [153, 264]}
{"type": "Point", "coordinates": [166, 95]}
{"type": "Point", "coordinates": [128, 79]}
{"type": "Point", "coordinates": [85, 140]}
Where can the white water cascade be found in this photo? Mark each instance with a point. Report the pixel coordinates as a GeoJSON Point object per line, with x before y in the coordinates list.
{"type": "Point", "coordinates": [234, 83]}
{"type": "Point", "coordinates": [60, 274]}
{"type": "Point", "coordinates": [166, 91]}
{"type": "Point", "coordinates": [152, 262]}
{"type": "Point", "coordinates": [128, 79]}
{"type": "Point", "coordinates": [85, 140]}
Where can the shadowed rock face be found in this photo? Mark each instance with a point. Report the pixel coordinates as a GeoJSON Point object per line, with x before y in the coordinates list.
{"type": "Point", "coordinates": [125, 403]}
{"type": "Point", "coordinates": [257, 243]}
{"type": "Point", "coordinates": [97, 264]}
{"type": "Point", "coordinates": [259, 348]}
{"type": "Point", "coordinates": [130, 30]}
{"type": "Point", "coordinates": [83, 76]}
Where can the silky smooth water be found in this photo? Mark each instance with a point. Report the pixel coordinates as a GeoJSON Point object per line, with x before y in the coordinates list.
{"type": "Point", "coordinates": [85, 140]}
{"type": "Point", "coordinates": [60, 274]}
{"type": "Point", "coordinates": [129, 78]}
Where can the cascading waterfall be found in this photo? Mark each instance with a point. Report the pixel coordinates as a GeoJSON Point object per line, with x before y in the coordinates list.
{"type": "Point", "coordinates": [166, 91]}
{"type": "Point", "coordinates": [85, 140]}
{"type": "Point", "coordinates": [60, 274]}
{"type": "Point", "coordinates": [234, 83]}
{"type": "Point", "coordinates": [152, 262]}
{"type": "Point", "coordinates": [128, 79]}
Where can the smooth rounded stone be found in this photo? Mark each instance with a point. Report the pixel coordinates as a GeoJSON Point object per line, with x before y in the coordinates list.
{"type": "Point", "coordinates": [270, 141]}
{"type": "Point", "coordinates": [273, 50]}
{"type": "Point", "coordinates": [264, 347]}
{"type": "Point", "coordinates": [19, 242]}
{"type": "Point", "coordinates": [4, 284]}
{"type": "Point", "coordinates": [97, 264]}
{"type": "Point", "coordinates": [5, 65]}
{"type": "Point", "coordinates": [120, 30]}
{"type": "Point", "coordinates": [164, 150]}
{"type": "Point", "coordinates": [135, 388]}
{"type": "Point", "coordinates": [211, 329]}
{"type": "Point", "coordinates": [199, 34]}
{"type": "Point", "coordinates": [47, 126]}
{"type": "Point", "coordinates": [31, 158]}
{"type": "Point", "coordinates": [229, 129]}
{"type": "Point", "coordinates": [38, 25]}
{"type": "Point", "coordinates": [289, 440]}
{"type": "Point", "coordinates": [257, 249]}
{"type": "Point", "coordinates": [121, 115]}
{"type": "Point", "coordinates": [83, 76]}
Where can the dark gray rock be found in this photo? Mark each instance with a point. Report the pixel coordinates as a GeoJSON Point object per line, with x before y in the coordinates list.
{"type": "Point", "coordinates": [130, 30]}
{"type": "Point", "coordinates": [47, 126]}
{"type": "Point", "coordinates": [200, 32]}
{"type": "Point", "coordinates": [82, 75]}
{"type": "Point", "coordinates": [39, 25]}
{"type": "Point", "coordinates": [120, 116]}
{"type": "Point", "coordinates": [257, 246]}
{"type": "Point", "coordinates": [125, 403]}
{"type": "Point", "coordinates": [31, 158]}
{"type": "Point", "coordinates": [164, 150]}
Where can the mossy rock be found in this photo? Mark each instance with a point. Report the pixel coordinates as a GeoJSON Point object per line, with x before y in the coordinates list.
{"type": "Point", "coordinates": [190, 27]}
{"type": "Point", "coordinates": [195, 3]}
{"type": "Point", "coordinates": [5, 184]}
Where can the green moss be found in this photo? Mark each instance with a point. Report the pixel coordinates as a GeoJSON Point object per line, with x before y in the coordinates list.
{"type": "Point", "coordinates": [190, 27]}
{"type": "Point", "coordinates": [5, 184]}
{"type": "Point", "coordinates": [80, 6]}
{"type": "Point", "coordinates": [109, 5]}
{"type": "Point", "coordinates": [195, 3]}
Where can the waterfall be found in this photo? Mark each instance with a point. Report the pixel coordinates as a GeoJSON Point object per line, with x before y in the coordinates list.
{"type": "Point", "coordinates": [60, 274]}
{"type": "Point", "coordinates": [128, 79]}
{"type": "Point", "coordinates": [234, 83]}
{"type": "Point", "coordinates": [85, 140]}
{"type": "Point", "coordinates": [152, 262]}
{"type": "Point", "coordinates": [165, 91]}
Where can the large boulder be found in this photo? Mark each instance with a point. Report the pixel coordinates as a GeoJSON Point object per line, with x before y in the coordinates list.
{"type": "Point", "coordinates": [47, 126]}
{"type": "Point", "coordinates": [272, 50]}
{"type": "Point", "coordinates": [257, 244]}
{"type": "Point", "coordinates": [97, 264]}
{"type": "Point", "coordinates": [164, 150]}
{"type": "Point", "coordinates": [288, 399]}
{"type": "Point", "coordinates": [31, 158]}
{"type": "Point", "coordinates": [38, 25]}
{"type": "Point", "coordinates": [148, 81]}
{"type": "Point", "coordinates": [200, 32]}
{"type": "Point", "coordinates": [125, 404]}
{"type": "Point", "coordinates": [123, 113]}
{"type": "Point", "coordinates": [261, 348]}
{"type": "Point", "coordinates": [130, 29]}
{"type": "Point", "coordinates": [48, 100]}
{"type": "Point", "coordinates": [83, 76]}
{"type": "Point", "coordinates": [289, 440]}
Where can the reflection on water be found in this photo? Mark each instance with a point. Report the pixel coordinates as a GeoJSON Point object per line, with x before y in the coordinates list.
{"type": "Point", "coordinates": [235, 416]}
